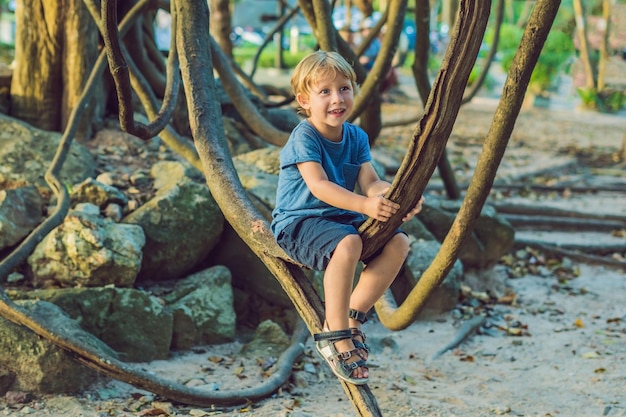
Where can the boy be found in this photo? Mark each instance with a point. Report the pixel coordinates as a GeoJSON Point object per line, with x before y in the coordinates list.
{"type": "Point", "coordinates": [317, 213]}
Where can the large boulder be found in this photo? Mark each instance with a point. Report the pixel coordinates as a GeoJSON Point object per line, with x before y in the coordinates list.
{"type": "Point", "coordinates": [27, 152]}
{"type": "Point", "coordinates": [446, 295]}
{"type": "Point", "coordinates": [87, 250]}
{"type": "Point", "coordinates": [202, 309]}
{"type": "Point", "coordinates": [492, 237]}
{"type": "Point", "coordinates": [30, 363]}
{"type": "Point", "coordinates": [21, 210]}
{"type": "Point", "coordinates": [132, 322]}
{"type": "Point", "coordinates": [182, 223]}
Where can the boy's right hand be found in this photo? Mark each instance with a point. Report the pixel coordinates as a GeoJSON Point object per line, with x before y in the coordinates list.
{"type": "Point", "coordinates": [379, 208]}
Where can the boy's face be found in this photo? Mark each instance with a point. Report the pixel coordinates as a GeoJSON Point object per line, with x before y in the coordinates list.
{"type": "Point", "coordinates": [329, 103]}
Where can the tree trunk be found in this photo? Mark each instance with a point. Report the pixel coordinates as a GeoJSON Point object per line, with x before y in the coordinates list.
{"type": "Point", "coordinates": [422, 49]}
{"type": "Point", "coordinates": [220, 25]}
{"type": "Point", "coordinates": [80, 39]}
{"type": "Point", "coordinates": [55, 47]}
{"type": "Point", "coordinates": [604, 45]}
{"type": "Point", "coordinates": [581, 30]}
{"type": "Point", "coordinates": [36, 90]}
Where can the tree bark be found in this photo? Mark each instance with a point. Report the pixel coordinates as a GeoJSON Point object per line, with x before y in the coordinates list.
{"type": "Point", "coordinates": [495, 144]}
{"type": "Point", "coordinates": [220, 25]}
{"type": "Point", "coordinates": [604, 45]}
{"type": "Point", "coordinates": [581, 31]}
{"type": "Point", "coordinates": [55, 48]}
{"type": "Point", "coordinates": [36, 90]}
{"type": "Point", "coordinates": [433, 130]}
{"type": "Point", "coordinates": [80, 51]}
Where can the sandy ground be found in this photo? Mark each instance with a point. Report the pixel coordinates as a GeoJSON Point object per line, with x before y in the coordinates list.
{"type": "Point", "coordinates": [559, 349]}
{"type": "Point", "coordinates": [569, 361]}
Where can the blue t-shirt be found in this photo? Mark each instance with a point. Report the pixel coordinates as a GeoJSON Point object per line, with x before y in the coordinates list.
{"type": "Point", "coordinates": [340, 160]}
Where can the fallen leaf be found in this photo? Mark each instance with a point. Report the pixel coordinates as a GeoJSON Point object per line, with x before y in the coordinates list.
{"type": "Point", "coordinates": [590, 355]}
{"type": "Point", "coordinates": [579, 323]}
{"type": "Point", "coordinates": [507, 299]}
{"type": "Point", "coordinates": [153, 412]}
{"type": "Point", "coordinates": [409, 380]}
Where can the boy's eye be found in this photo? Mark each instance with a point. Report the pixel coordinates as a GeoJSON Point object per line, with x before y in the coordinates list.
{"type": "Point", "coordinates": [345, 88]}
{"type": "Point", "coordinates": [324, 91]}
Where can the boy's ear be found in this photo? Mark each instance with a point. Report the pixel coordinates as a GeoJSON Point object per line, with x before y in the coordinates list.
{"type": "Point", "coordinates": [302, 100]}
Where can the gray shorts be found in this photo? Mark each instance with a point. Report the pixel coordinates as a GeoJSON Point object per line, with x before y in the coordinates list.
{"type": "Point", "coordinates": [311, 241]}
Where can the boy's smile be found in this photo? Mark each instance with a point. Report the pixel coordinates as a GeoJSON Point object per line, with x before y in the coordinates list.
{"type": "Point", "coordinates": [329, 103]}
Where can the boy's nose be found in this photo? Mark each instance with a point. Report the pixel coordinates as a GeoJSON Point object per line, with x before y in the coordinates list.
{"type": "Point", "coordinates": [337, 96]}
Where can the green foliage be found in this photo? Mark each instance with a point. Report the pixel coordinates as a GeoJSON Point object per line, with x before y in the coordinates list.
{"type": "Point", "coordinates": [606, 101]}
{"type": "Point", "coordinates": [244, 53]}
{"type": "Point", "coordinates": [268, 58]}
{"type": "Point", "coordinates": [7, 54]}
{"type": "Point", "coordinates": [557, 50]}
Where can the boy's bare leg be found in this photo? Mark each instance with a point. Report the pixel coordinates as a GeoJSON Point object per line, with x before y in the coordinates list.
{"type": "Point", "coordinates": [338, 282]}
{"type": "Point", "coordinates": [378, 275]}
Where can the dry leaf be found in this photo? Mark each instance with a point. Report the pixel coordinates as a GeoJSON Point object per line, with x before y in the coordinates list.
{"type": "Point", "coordinates": [153, 412]}
{"type": "Point", "coordinates": [579, 323]}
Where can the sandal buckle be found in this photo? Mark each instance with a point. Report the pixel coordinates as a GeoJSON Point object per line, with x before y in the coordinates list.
{"type": "Point", "coordinates": [357, 315]}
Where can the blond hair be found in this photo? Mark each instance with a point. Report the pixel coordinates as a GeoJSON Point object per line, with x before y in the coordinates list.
{"type": "Point", "coordinates": [318, 65]}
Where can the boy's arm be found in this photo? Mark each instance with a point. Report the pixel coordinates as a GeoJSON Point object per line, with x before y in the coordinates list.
{"type": "Point", "coordinates": [374, 206]}
{"type": "Point", "coordinates": [370, 183]}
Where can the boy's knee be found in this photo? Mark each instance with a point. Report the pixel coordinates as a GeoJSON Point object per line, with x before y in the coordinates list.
{"type": "Point", "coordinates": [351, 244]}
{"type": "Point", "coordinates": [400, 243]}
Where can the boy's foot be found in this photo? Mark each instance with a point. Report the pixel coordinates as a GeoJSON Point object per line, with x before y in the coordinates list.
{"type": "Point", "coordinates": [337, 349]}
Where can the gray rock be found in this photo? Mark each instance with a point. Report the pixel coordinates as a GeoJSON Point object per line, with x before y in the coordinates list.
{"type": "Point", "coordinates": [34, 364]}
{"type": "Point", "coordinates": [97, 193]}
{"type": "Point", "coordinates": [445, 296]}
{"type": "Point", "coordinates": [132, 322]}
{"type": "Point", "coordinates": [492, 238]}
{"type": "Point", "coordinates": [88, 250]}
{"type": "Point", "coordinates": [26, 154]}
{"type": "Point", "coordinates": [202, 309]}
{"type": "Point", "coordinates": [248, 272]}
{"type": "Point", "coordinates": [21, 210]}
{"type": "Point", "coordinates": [168, 173]}
{"type": "Point", "coordinates": [269, 340]}
{"type": "Point", "coordinates": [182, 223]}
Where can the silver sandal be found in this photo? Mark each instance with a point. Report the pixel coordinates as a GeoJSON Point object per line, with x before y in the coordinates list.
{"type": "Point", "coordinates": [324, 343]}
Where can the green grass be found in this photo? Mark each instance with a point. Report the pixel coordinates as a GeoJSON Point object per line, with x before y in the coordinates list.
{"type": "Point", "coordinates": [243, 54]}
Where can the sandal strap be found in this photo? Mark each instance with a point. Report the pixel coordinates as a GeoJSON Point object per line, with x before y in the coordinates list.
{"type": "Point", "coordinates": [349, 367]}
{"type": "Point", "coordinates": [333, 335]}
{"type": "Point", "coordinates": [358, 344]}
{"type": "Point", "coordinates": [347, 354]}
{"type": "Point", "coordinates": [357, 315]}
{"type": "Point", "coordinates": [355, 331]}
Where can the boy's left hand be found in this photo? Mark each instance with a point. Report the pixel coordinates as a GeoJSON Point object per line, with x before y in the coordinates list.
{"type": "Point", "coordinates": [415, 210]}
